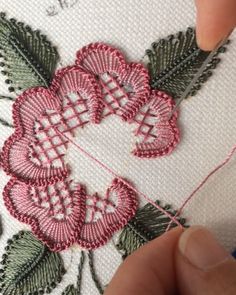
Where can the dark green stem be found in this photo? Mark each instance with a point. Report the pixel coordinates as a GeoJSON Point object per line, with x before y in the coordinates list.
{"type": "Point", "coordinates": [80, 272]}
{"type": "Point", "coordinates": [93, 273]}
{"type": "Point", "coordinates": [5, 123]}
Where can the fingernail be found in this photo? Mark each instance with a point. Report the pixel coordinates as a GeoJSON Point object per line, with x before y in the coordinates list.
{"type": "Point", "coordinates": [205, 42]}
{"type": "Point", "coordinates": [201, 249]}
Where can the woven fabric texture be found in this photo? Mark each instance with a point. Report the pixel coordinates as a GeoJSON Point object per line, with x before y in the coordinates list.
{"type": "Point", "coordinates": [207, 121]}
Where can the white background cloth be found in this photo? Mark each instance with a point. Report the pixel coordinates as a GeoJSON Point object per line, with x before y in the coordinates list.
{"type": "Point", "coordinates": [207, 121]}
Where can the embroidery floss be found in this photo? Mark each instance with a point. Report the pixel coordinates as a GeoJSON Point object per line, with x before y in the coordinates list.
{"type": "Point", "coordinates": [27, 260]}
{"type": "Point", "coordinates": [101, 83]}
{"type": "Point", "coordinates": [220, 166]}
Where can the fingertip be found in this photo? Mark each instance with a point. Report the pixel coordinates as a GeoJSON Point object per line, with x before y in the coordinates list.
{"type": "Point", "coordinates": [150, 269]}
{"type": "Point", "coordinates": [208, 39]}
{"type": "Point", "coordinates": [215, 20]}
{"type": "Point", "coordinates": [203, 266]}
{"type": "Point", "coordinates": [201, 249]}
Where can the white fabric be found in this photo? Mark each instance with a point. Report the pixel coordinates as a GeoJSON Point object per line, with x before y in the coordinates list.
{"type": "Point", "coordinates": [207, 121]}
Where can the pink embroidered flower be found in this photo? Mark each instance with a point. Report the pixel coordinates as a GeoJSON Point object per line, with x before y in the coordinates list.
{"type": "Point", "coordinates": [41, 192]}
{"type": "Point", "coordinates": [57, 213]}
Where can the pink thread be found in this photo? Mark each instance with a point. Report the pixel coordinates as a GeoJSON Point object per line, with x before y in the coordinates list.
{"type": "Point", "coordinates": [35, 206]}
{"type": "Point", "coordinates": [57, 213]}
{"type": "Point", "coordinates": [101, 84]}
{"type": "Point", "coordinates": [221, 165]}
{"type": "Point", "coordinates": [121, 179]}
{"type": "Point", "coordinates": [98, 232]}
{"type": "Point", "coordinates": [105, 61]}
{"type": "Point", "coordinates": [159, 134]}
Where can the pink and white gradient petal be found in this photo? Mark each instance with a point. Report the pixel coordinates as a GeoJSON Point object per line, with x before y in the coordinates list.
{"type": "Point", "coordinates": [96, 233]}
{"type": "Point", "coordinates": [125, 86]}
{"type": "Point", "coordinates": [57, 233]}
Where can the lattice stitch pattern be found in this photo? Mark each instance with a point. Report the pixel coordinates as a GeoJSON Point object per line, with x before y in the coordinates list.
{"type": "Point", "coordinates": [41, 192]}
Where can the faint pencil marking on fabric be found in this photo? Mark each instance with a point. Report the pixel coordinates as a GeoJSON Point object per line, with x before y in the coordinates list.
{"type": "Point", "coordinates": [60, 5]}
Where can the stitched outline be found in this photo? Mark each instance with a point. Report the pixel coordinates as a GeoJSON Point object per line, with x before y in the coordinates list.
{"type": "Point", "coordinates": [132, 74]}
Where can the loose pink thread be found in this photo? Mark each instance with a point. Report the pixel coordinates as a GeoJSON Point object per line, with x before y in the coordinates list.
{"type": "Point", "coordinates": [221, 165]}
{"type": "Point", "coordinates": [173, 218]}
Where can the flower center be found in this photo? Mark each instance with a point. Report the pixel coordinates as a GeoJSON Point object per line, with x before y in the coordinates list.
{"type": "Point", "coordinates": [109, 142]}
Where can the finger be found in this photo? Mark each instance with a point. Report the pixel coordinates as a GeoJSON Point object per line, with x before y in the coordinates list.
{"type": "Point", "coordinates": [203, 266]}
{"type": "Point", "coordinates": [215, 20]}
{"type": "Point", "coordinates": [149, 270]}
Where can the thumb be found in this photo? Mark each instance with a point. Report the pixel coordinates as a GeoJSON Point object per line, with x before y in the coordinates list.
{"type": "Point", "coordinates": [203, 266]}
{"type": "Point", "coordinates": [149, 270]}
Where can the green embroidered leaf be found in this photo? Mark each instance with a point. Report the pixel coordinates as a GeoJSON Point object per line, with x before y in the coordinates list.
{"type": "Point", "coordinates": [148, 223]}
{"type": "Point", "coordinates": [29, 267]}
{"type": "Point", "coordinates": [175, 60]}
{"type": "Point", "coordinates": [70, 290]}
{"type": "Point", "coordinates": [29, 59]}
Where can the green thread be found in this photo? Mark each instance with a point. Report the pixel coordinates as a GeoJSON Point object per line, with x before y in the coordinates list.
{"type": "Point", "coordinates": [2, 121]}
{"type": "Point", "coordinates": [5, 123]}
{"type": "Point", "coordinates": [148, 223]}
{"type": "Point", "coordinates": [71, 289]}
{"type": "Point", "coordinates": [93, 273]}
{"type": "Point", "coordinates": [80, 272]}
{"type": "Point", "coordinates": [28, 57]}
{"type": "Point", "coordinates": [16, 44]}
{"type": "Point", "coordinates": [9, 98]}
{"type": "Point", "coordinates": [174, 61]}
{"type": "Point", "coordinates": [29, 267]}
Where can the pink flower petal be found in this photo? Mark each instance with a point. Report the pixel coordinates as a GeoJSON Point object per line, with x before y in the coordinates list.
{"type": "Point", "coordinates": [125, 86]}
{"type": "Point", "coordinates": [21, 157]}
{"type": "Point", "coordinates": [158, 133]}
{"type": "Point", "coordinates": [39, 193]}
{"type": "Point", "coordinates": [96, 233]}
{"type": "Point", "coordinates": [55, 213]}
{"type": "Point", "coordinates": [15, 154]}
{"type": "Point", "coordinates": [74, 80]}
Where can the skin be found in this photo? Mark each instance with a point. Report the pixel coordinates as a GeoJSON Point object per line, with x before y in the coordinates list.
{"type": "Point", "coordinates": [164, 267]}
{"type": "Point", "coordinates": [215, 20]}
{"type": "Point", "coordinates": [190, 262]}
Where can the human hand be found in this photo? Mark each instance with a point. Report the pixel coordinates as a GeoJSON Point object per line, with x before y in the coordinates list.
{"type": "Point", "coordinates": [189, 263]}
{"type": "Point", "coordinates": [215, 20]}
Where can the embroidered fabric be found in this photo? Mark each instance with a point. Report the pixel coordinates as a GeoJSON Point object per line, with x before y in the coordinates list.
{"type": "Point", "coordinates": [134, 25]}
{"type": "Point", "coordinates": [41, 192]}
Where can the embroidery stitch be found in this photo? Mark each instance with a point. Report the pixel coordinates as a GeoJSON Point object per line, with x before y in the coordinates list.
{"type": "Point", "coordinates": [62, 216]}
{"type": "Point", "coordinates": [100, 84]}
{"type": "Point", "coordinates": [71, 289]}
{"type": "Point", "coordinates": [45, 120]}
{"type": "Point", "coordinates": [2, 120]}
{"type": "Point", "coordinates": [28, 267]}
{"type": "Point", "coordinates": [130, 82]}
{"type": "Point", "coordinates": [146, 225]}
{"type": "Point", "coordinates": [98, 285]}
{"type": "Point", "coordinates": [174, 60]}
{"type": "Point", "coordinates": [29, 59]}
